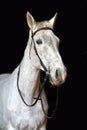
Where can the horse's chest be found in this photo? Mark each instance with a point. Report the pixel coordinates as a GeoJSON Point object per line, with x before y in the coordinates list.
{"type": "Point", "coordinates": [31, 118]}
{"type": "Point", "coordinates": [36, 117]}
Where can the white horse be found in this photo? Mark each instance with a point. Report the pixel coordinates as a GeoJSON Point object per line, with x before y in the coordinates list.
{"type": "Point", "coordinates": [41, 53]}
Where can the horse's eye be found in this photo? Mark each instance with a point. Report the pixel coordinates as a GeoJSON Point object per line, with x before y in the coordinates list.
{"type": "Point", "coordinates": [39, 41]}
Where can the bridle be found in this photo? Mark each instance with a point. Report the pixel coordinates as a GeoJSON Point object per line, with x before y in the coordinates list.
{"type": "Point", "coordinates": [44, 81]}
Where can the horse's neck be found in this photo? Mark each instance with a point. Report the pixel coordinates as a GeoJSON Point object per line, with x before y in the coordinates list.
{"type": "Point", "coordinates": [29, 77]}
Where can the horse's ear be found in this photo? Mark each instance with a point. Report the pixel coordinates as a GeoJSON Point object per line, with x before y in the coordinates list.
{"type": "Point", "coordinates": [53, 20]}
{"type": "Point", "coordinates": [30, 20]}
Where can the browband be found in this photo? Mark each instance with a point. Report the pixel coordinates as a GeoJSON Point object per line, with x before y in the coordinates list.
{"type": "Point", "coordinates": [44, 28]}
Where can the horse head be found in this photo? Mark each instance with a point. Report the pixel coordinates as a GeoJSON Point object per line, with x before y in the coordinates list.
{"type": "Point", "coordinates": [44, 50]}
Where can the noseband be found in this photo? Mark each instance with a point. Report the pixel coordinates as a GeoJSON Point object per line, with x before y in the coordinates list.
{"type": "Point", "coordinates": [44, 81]}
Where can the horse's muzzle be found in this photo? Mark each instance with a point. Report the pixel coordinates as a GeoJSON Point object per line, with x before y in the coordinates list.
{"type": "Point", "coordinates": [59, 77]}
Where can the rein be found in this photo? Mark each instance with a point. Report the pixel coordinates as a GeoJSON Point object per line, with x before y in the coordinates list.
{"type": "Point", "coordinates": [36, 98]}
{"type": "Point", "coordinates": [44, 81]}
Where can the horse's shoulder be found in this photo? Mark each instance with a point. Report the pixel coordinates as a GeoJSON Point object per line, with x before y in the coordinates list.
{"type": "Point", "coordinates": [4, 78]}
{"type": "Point", "coordinates": [4, 75]}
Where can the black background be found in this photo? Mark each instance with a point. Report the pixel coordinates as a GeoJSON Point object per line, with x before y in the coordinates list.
{"type": "Point", "coordinates": [71, 29]}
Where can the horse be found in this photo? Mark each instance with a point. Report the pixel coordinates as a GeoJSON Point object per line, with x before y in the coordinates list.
{"type": "Point", "coordinates": [19, 89]}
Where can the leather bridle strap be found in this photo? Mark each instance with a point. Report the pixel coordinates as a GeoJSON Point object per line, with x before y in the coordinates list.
{"type": "Point", "coordinates": [41, 62]}
{"type": "Point", "coordinates": [44, 28]}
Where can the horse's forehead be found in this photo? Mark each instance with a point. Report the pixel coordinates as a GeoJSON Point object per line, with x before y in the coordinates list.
{"type": "Point", "coordinates": [47, 35]}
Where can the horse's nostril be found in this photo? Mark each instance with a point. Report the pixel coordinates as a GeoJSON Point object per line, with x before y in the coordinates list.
{"type": "Point", "coordinates": [57, 73]}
